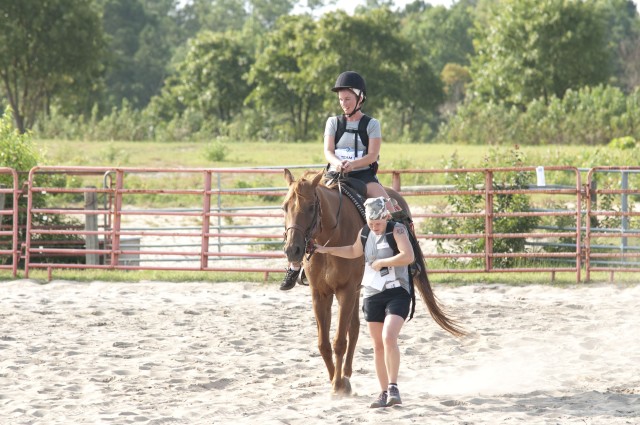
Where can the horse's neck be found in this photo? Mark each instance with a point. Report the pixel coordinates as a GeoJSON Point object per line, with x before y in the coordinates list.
{"type": "Point", "coordinates": [340, 218]}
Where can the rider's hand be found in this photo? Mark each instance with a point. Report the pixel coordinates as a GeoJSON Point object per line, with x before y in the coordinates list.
{"type": "Point", "coordinates": [346, 166]}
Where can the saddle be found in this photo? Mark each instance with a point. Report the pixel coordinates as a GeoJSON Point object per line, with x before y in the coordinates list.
{"type": "Point", "coordinates": [356, 190]}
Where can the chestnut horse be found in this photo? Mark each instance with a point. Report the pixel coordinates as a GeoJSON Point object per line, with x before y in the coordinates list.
{"type": "Point", "coordinates": [315, 213]}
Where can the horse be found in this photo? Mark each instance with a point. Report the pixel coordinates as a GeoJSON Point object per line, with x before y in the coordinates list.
{"type": "Point", "coordinates": [315, 213]}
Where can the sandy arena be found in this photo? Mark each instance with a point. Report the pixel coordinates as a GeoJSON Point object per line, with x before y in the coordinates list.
{"type": "Point", "coordinates": [239, 353]}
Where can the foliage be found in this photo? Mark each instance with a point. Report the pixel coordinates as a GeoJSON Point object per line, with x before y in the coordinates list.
{"type": "Point", "coordinates": [538, 49]}
{"type": "Point", "coordinates": [141, 40]}
{"type": "Point", "coordinates": [590, 116]}
{"type": "Point", "coordinates": [626, 142]}
{"type": "Point", "coordinates": [441, 35]}
{"type": "Point", "coordinates": [210, 79]}
{"type": "Point", "coordinates": [475, 203]}
{"type": "Point", "coordinates": [623, 40]}
{"type": "Point", "coordinates": [253, 70]}
{"type": "Point", "coordinates": [17, 152]}
{"type": "Point", "coordinates": [294, 72]}
{"type": "Point", "coordinates": [124, 123]}
{"type": "Point", "coordinates": [47, 49]}
{"type": "Point", "coordinates": [216, 151]}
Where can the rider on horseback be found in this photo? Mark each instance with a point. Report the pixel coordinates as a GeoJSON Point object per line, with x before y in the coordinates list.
{"type": "Point", "coordinates": [355, 151]}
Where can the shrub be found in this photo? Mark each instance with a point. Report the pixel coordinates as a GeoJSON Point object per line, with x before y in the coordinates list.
{"type": "Point", "coordinates": [476, 203]}
{"type": "Point", "coordinates": [17, 152]}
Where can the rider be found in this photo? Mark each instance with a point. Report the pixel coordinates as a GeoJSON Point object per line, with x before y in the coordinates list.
{"type": "Point", "coordinates": [349, 154]}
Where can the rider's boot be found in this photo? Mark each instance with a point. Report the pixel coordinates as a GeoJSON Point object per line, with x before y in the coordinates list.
{"type": "Point", "coordinates": [289, 280]}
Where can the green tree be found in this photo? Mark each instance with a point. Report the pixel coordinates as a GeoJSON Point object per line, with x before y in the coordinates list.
{"type": "Point", "coordinates": [528, 49]}
{"type": "Point", "coordinates": [47, 48]}
{"type": "Point", "coordinates": [441, 35]}
{"type": "Point", "coordinates": [216, 16]}
{"type": "Point", "coordinates": [295, 71]}
{"type": "Point", "coordinates": [623, 40]}
{"type": "Point", "coordinates": [213, 75]}
{"type": "Point", "coordinates": [143, 36]}
{"type": "Point", "coordinates": [282, 84]}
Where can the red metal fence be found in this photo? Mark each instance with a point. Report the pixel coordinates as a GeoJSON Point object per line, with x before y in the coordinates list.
{"type": "Point", "coordinates": [9, 251]}
{"type": "Point", "coordinates": [613, 220]}
{"type": "Point", "coordinates": [490, 188]}
{"type": "Point", "coordinates": [494, 220]}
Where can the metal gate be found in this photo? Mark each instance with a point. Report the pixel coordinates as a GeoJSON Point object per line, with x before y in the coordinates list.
{"type": "Point", "coordinates": [231, 220]}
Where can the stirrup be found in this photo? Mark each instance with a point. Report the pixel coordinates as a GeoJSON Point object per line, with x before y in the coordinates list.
{"type": "Point", "coordinates": [302, 279]}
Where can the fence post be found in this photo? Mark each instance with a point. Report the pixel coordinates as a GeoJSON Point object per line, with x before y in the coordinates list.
{"type": "Point", "coordinates": [488, 221]}
{"type": "Point", "coordinates": [91, 224]}
{"type": "Point", "coordinates": [2, 186]}
{"type": "Point", "coordinates": [624, 208]}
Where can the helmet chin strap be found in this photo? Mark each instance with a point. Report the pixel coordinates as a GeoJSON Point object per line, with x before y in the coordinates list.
{"type": "Point", "coordinates": [353, 113]}
{"type": "Point", "coordinates": [356, 109]}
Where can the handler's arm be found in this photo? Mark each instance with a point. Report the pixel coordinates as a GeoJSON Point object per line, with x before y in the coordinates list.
{"type": "Point", "coordinates": [404, 257]}
{"type": "Point", "coordinates": [347, 251]}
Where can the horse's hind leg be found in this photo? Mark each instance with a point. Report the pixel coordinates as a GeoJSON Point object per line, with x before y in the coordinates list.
{"type": "Point", "coordinates": [322, 310]}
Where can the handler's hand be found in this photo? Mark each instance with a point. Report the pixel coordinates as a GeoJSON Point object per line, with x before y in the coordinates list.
{"type": "Point", "coordinates": [377, 266]}
{"type": "Point", "coordinates": [320, 249]}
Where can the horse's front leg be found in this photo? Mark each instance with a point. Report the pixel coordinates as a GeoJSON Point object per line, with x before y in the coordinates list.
{"type": "Point", "coordinates": [322, 310]}
{"type": "Point", "coordinates": [347, 300]}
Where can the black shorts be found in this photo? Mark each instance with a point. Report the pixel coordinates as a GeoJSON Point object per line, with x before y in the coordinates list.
{"type": "Point", "coordinates": [367, 176]}
{"type": "Point", "coordinates": [390, 301]}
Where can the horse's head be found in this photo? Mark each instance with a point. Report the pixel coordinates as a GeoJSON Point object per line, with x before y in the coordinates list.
{"type": "Point", "coordinates": [301, 215]}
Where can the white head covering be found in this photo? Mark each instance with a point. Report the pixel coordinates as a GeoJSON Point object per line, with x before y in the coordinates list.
{"type": "Point", "coordinates": [376, 209]}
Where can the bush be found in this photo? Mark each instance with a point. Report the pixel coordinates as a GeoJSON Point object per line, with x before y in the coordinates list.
{"type": "Point", "coordinates": [627, 142]}
{"type": "Point", "coordinates": [506, 203]}
{"type": "Point", "coordinates": [17, 152]}
{"type": "Point", "coordinates": [589, 116]}
{"type": "Point", "coordinates": [216, 151]}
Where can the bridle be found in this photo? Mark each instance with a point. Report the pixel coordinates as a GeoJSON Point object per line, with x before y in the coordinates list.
{"type": "Point", "coordinates": [311, 231]}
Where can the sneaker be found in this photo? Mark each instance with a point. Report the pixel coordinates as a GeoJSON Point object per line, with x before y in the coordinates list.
{"type": "Point", "coordinates": [394, 396]}
{"type": "Point", "coordinates": [289, 280]}
{"type": "Point", "coordinates": [381, 401]}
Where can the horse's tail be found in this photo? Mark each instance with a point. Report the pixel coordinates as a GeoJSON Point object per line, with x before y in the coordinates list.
{"type": "Point", "coordinates": [421, 282]}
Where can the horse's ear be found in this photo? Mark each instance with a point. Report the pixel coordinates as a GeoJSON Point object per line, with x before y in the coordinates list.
{"type": "Point", "coordinates": [317, 178]}
{"type": "Point", "coordinates": [288, 176]}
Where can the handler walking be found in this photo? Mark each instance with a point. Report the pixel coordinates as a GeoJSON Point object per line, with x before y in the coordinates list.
{"type": "Point", "coordinates": [386, 291]}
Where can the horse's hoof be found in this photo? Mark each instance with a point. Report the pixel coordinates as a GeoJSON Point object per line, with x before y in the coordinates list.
{"type": "Point", "coordinates": [344, 389]}
{"type": "Point", "coordinates": [347, 386]}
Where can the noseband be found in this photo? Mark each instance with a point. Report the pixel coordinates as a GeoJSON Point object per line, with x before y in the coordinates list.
{"type": "Point", "coordinates": [309, 232]}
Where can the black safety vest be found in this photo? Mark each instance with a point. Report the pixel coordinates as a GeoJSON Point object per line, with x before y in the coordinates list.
{"type": "Point", "coordinates": [361, 132]}
{"type": "Point", "coordinates": [388, 232]}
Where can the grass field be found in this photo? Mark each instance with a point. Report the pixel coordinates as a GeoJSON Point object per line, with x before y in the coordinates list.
{"type": "Point", "coordinates": [253, 154]}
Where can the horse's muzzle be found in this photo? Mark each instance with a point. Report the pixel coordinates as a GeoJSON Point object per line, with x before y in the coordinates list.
{"type": "Point", "coordinates": [294, 247]}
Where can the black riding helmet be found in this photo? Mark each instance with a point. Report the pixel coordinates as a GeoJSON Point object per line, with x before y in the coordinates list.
{"type": "Point", "coordinates": [351, 80]}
